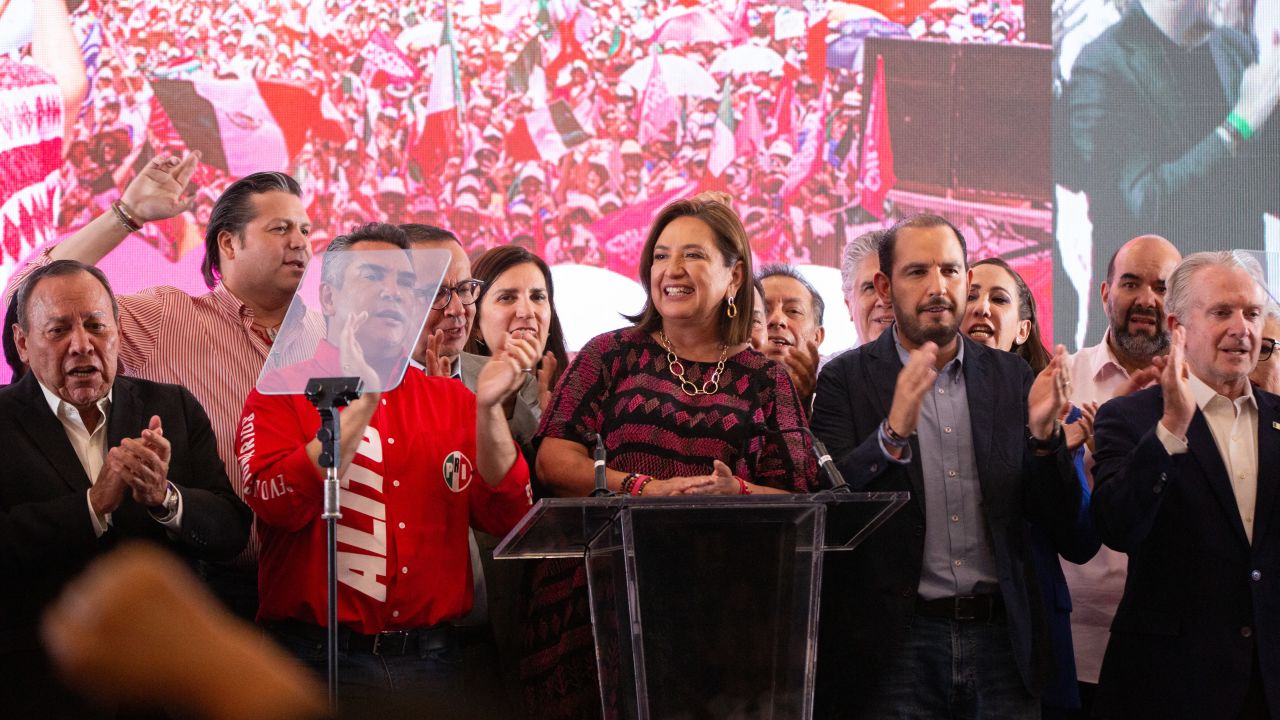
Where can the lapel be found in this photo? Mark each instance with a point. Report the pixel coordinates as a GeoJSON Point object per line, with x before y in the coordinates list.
{"type": "Point", "coordinates": [1143, 42]}
{"type": "Point", "coordinates": [981, 393]}
{"type": "Point", "coordinates": [128, 416]}
{"type": "Point", "coordinates": [881, 375]}
{"type": "Point", "coordinates": [1268, 461]}
{"type": "Point", "coordinates": [1205, 451]}
{"type": "Point", "coordinates": [46, 433]}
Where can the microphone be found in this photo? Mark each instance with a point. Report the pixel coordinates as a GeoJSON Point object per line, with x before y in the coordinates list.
{"type": "Point", "coordinates": [819, 451]}
{"type": "Point", "coordinates": [602, 482]}
{"type": "Point", "coordinates": [826, 463]}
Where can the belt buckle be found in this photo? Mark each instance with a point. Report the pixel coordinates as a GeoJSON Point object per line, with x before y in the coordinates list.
{"type": "Point", "coordinates": [391, 642]}
{"type": "Point", "coordinates": [966, 607]}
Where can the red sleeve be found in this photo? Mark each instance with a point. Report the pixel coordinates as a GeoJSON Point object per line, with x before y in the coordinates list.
{"type": "Point", "coordinates": [281, 484]}
{"type": "Point", "coordinates": [496, 510]}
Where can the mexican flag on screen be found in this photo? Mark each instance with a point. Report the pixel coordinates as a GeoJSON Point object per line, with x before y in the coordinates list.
{"type": "Point", "coordinates": [440, 134]}
{"type": "Point", "coordinates": [246, 126]}
{"type": "Point", "coordinates": [724, 146]}
{"type": "Point", "coordinates": [546, 133]}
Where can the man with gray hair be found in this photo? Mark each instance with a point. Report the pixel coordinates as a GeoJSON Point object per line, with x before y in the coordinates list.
{"type": "Point", "coordinates": [1185, 483]}
{"type": "Point", "coordinates": [870, 313]}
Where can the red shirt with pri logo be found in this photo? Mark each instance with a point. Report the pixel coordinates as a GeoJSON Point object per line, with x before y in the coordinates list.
{"type": "Point", "coordinates": [407, 501]}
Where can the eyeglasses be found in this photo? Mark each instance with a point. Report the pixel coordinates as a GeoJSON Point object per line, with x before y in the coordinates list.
{"type": "Point", "coordinates": [1268, 347]}
{"type": "Point", "coordinates": [467, 291]}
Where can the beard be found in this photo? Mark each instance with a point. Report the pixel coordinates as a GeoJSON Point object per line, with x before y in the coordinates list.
{"type": "Point", "coordinates": [1141, 345]}
{"type": "Point", "coordinates": [938, 333]}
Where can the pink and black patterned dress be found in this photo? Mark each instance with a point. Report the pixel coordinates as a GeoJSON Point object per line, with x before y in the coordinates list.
{"type": "Point", "coordinates": [620, 387]}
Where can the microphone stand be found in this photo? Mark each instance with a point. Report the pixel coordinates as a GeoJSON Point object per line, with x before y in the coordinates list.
{"type": "Point", "coordinates": [602, 481]}
{"type": "Point", "coordinates": [327, 395]}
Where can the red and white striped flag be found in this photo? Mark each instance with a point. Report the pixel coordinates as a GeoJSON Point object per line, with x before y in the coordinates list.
{"type": "Point", "coordinates": [658, 107]}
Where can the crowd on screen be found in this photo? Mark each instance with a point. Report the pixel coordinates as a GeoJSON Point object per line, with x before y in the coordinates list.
{"type": "Point", "coordinates": [494, 197]}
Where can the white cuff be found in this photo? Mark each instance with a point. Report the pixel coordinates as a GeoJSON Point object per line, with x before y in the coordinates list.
{"type": "Point", "coordinates": [1173, 444]}
{"type": "Point", "coordinates": [100, 524]}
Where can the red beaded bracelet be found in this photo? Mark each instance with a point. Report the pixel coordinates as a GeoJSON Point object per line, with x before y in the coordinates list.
{"type": "Point", "coordinates": [642, 480]}
{"type": "Point", "coordinates": [743, 488]}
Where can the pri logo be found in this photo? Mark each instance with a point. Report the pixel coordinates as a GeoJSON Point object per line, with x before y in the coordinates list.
{"type": "Point", "coordinates": [458, 471]}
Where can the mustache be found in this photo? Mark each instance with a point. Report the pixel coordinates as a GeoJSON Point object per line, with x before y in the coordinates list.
{"type": "Point", "coordinates": [938, 304]}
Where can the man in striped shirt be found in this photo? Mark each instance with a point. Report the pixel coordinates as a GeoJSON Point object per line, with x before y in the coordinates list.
{"type": "Point", "coordinates": [256, 249]}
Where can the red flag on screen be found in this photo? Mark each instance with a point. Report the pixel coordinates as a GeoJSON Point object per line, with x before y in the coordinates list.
{"type": "Point", "coordinates": [816, 51]}
{"type": "Point", "coordinates": [749, 135]}
{"type": "Point", "coordinates": [876, 172]}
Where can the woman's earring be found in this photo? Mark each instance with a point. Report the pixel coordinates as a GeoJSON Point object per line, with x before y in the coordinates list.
{"type": "Point", "coordinates": [732, 310]}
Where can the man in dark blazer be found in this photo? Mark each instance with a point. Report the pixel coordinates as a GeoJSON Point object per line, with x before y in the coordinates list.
{"type": "Point", "coordinates": [1185, 482]}
{"type": "Point", "coordinates": [91, 460]}
{"type": "Point", "coordinates": [937, 613]}
{"type": "Point", "coordinates": [1155, 108]}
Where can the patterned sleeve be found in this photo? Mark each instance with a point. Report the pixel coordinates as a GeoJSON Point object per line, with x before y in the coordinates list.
{"type": "Point", "coordinates": [784, 458]}
{"type": "Point", "coordinates": [576, 411]}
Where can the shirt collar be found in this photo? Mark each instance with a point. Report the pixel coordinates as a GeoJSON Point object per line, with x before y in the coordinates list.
{"type": "Point", "coordinates": [457, 367]}
{"type": "Point", "coordinates": [1204, 394]}
{"type": "Point", "coordinates": [951, 368]}
{"type": "Point", "coordinates": [1104, 358]}
{"type": "Point", "coordinates": [229, 302]}
{"type": "Point", "coordinates": [63, 409]}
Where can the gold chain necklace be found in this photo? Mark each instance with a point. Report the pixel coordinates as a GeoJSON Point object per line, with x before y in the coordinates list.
{"type": "Point", "coordinates": [677, 369]}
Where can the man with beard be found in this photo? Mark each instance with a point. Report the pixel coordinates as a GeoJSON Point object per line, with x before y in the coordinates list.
{"type": "Point", "coordinates": [938, 613]}
{"type": "Point", "coordinates": [1133, 297]}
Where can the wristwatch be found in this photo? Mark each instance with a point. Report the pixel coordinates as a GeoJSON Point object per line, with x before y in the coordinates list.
{"type": "Point", "coordinates": [168, 507]}
{"type": "Point", "coordinates": [891, 438]}
{"type": "Point", "coordinates": [1056, 439]}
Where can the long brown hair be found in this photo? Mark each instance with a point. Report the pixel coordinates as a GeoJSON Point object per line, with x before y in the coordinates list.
{"type": "Point", "coordinates": [488, 268]}
{"type": "Point", "coordinates": [731, 241]}
{"type": "Point", "coordinates": [1032, 350]}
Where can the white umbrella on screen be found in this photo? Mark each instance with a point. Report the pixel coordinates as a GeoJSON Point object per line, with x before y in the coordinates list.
{"type": "Point", "coordinates": [682, 76]}
{"type": "Point", "coordinates": [747, 59]}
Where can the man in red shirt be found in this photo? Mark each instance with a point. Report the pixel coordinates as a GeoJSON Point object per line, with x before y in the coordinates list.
{"type": "Point", "coordinates": [419, 465]}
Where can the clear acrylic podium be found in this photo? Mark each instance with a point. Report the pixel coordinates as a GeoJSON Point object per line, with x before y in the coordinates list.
{"type": "Point", "coordinates": [703, 607]}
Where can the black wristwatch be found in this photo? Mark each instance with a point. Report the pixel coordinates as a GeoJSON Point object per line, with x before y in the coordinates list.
{"type": "Point", "coordinates": [1053, 443]}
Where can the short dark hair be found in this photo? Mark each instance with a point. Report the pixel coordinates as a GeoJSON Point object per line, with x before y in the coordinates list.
{"type": "Point", "coordinates": [334, 264]}
{"type": "Point", "coordinates": [57, 268]}
{"type": "Point", "coordinates": [234, 210]}
{"type": "Point", "coordinates": [422, 232]}
{"type": "Point", "coordinates": [780, 270]}
{"type": "Point", "coordinates": [919, 221]}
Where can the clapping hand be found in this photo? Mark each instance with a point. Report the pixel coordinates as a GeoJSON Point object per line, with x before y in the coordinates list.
{"type": "Point", "coordinates": [1179, 403]}
{"type": "Point", "coordinates": [801, 364]}
{"type": "Point", "coordinates": [505, 372]}
{"type": "Point", "coordinates": [146, 463]}
{"type": "Point", "coordinates": [914, 380]}
{"type": "Point", "coordinates": [436, 364]}
{"type": "Point", "coordinates": [1050, 396]}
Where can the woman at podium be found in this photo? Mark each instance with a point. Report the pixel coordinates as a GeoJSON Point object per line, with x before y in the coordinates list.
{"type": "Point", "coordinates": [683, 406]}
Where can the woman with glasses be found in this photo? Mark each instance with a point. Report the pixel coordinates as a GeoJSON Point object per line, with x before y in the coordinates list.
{"type": "Point", "coordinates": [1001, 313]}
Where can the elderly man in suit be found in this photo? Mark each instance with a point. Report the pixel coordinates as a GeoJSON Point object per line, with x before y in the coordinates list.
{"type": "Point", "coordinates": [937, 614]}
{"type": "Point", "coordinates": [1185, 482]}
{"type": "Point", "coordinates": [91, 459]}
{"type": "Point", "coordinates": [1170, 114]}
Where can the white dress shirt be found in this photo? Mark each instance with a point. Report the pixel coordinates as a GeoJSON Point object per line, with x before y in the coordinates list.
{"type": "Point", "coordinates": [91, 450]}
{"type": "Point", "coordinates": [1234, 426]}
{"type": "Point", "coordinates": [1097, 586]}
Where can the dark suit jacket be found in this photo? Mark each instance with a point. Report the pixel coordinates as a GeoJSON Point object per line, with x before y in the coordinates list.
{"type": "Point", "coordinates": [869, 594]}
{"type": "Point", "coordinates": [46, 534]}
{"type": "Point", "coordinates": [1192, 616]}
{"type": "Point", "coordinates": [1138, 166]}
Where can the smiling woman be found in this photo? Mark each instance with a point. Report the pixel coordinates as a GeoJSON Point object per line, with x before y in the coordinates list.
{"type": "Point", "coordinates": [683, 405]}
